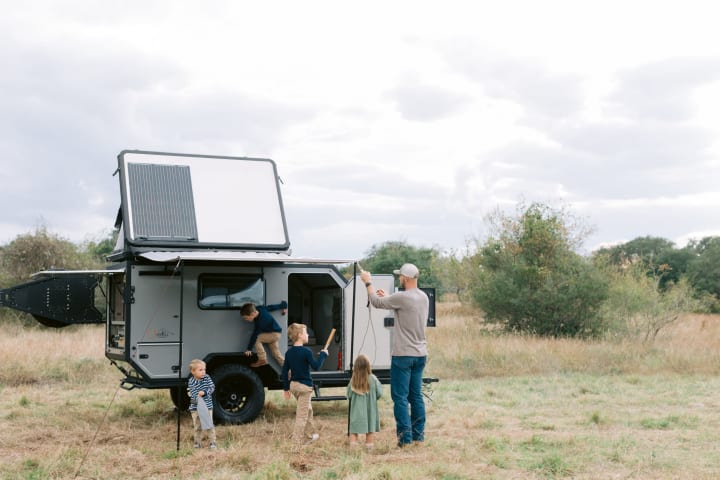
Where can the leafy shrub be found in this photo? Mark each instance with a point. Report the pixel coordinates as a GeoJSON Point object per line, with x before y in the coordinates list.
{"type": "Point", "coordinates": [530, 280]}
{"type": "Point", "coordinates": [639, 306]}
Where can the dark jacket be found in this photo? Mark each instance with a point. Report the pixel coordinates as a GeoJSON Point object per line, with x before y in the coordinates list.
{"type": "Point", "coordinates": [264, 322]}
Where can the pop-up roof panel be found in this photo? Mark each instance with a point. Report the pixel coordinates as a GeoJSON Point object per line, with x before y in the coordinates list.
{"type": "Point", "coordinates": [201, 201]}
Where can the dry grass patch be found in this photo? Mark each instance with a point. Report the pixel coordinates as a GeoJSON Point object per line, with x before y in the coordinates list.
{"type": "Point", "coordinates": [463, 346]}
{"type": "Point", "coordinates": [506, 407]}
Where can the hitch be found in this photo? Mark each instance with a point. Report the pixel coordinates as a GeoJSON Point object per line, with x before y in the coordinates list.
{"type": "Point", "coordinates": [127, 386]}
{"type": "Point", "coordinates": [427, 389]}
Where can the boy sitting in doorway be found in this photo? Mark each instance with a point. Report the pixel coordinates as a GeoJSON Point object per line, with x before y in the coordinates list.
{"type": "Point", "coordinates": [266, 331]}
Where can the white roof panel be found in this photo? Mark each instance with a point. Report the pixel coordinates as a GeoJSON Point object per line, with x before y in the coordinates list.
{"type": "Point", "coordinates": [174, 199]}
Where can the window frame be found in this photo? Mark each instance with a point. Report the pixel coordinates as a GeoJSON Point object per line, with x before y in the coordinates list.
{"type": "Point", "coordinates": [225, 280]}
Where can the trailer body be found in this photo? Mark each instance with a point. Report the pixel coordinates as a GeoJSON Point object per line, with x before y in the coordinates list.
{"type": "Point", "coordinates": [199, 237]}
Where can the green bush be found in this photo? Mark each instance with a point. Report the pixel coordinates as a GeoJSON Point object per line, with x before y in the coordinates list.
{"type": "Point", "coordinates": [639, 306]}
{"type": "Point", "coordinates": [32, 252]}
{"type": "Point", "coordinates": [530, 280]}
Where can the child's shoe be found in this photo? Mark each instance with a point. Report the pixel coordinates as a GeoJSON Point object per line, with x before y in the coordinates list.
{"type": "Point", "coordinates": [197, 445]}
{"type": "Point", "coordinates": [213, 446]}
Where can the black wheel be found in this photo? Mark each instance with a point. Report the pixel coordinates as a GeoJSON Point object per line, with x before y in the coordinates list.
{"type": "Point", "coordinates": [180, 398]}
{"type": "Point", "coordinates": [239, 394]}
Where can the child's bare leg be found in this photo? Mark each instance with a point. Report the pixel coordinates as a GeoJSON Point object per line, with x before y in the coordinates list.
{"type": "Point", "coordinates": [353, 438]}
{"type": "Point", "coordinates": [369, 439]}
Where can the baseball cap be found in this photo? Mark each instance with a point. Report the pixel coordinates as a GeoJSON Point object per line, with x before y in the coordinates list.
{"type": "Point", "coordinates": [407, 270]}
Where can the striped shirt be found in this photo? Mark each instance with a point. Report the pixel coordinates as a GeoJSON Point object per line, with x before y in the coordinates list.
{"type": "Point", "coordinates": [205, 384]}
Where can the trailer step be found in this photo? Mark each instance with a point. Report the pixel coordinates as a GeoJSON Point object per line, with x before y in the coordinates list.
{"type": "Point", "coordinates": [328, 398]}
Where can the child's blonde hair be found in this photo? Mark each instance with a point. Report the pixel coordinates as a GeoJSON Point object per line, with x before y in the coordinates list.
{"type": "Point", "coordinates": [294, 331]}
{"type": "Point", "coordinates": [195, 363]}
{"type": "Point", "coordinates": [360, 380]}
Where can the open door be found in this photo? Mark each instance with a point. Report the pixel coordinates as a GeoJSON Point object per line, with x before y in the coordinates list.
{"type": "Point", "coordinates": [369, 330]}
{"type": "Point", "coordinates": [315, 300]}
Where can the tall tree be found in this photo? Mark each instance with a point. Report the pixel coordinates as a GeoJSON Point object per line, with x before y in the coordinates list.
{"type": "Point", "coordinates": [645, 248]}
{"type": "Point", "coordinates": [531, 280]}
{"type": "Point", "coordinates": [704, 268]}
{"type": "Point", "coordinates": [456, 271]}
{"type": "Point", "coordinates": [101, 247]}
{"type": "Point", "coordinates": [656, 255]}
{"type": "Point", "coordinates": [388, 256]}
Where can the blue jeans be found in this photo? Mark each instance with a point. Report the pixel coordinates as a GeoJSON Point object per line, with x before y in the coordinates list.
{"type": "Point", "coordinates": [406, 390]}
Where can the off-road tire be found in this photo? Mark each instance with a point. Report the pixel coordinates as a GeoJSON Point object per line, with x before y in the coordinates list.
{"type": "Point", "coordinates": [239, 394]}
{"type": "Point", "coordinates": [180, 398]}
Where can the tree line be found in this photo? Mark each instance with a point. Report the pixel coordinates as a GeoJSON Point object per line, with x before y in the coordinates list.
{"type": "Point", "coordinates": [526, 275]}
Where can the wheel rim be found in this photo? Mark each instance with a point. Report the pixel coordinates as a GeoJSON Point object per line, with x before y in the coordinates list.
{"type": "Point", "coordinates": [232, 395]}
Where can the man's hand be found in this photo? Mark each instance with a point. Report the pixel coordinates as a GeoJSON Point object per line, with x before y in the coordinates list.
{"type": "Point", "coordinates": [248, 353]}
{"type": "Point", "coordinates": [201, 393]}
{"type": "Point", "coordinates": [380, 292]}
{"type": "Point", "coordinates": [325, 350]}
{"type": "Point", "coordinates": [365, 276]}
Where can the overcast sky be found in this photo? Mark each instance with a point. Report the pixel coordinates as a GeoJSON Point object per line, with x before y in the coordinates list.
{"type": "Point", "coordinates": [398, 120]}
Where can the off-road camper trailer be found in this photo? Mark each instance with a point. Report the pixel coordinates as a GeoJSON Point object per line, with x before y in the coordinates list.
{"type": "Point", "coordinates": [200, 236]}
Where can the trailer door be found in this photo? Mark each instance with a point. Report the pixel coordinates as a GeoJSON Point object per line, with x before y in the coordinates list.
{"type": "Point", "coordinates": [369, 330]}
{"type": "Point", "coordinates": [155, 330]}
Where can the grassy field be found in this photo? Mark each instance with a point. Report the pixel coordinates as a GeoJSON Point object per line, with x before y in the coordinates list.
{"type": "Point", "coordinates": [507, 407]}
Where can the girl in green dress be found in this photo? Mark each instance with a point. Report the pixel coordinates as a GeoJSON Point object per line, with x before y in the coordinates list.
{"type": "Point", "coordinates": [363, 392]}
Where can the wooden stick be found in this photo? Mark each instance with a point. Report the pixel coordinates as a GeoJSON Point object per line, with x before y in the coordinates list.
{"type": "Point", "coordinates": [332, 334]}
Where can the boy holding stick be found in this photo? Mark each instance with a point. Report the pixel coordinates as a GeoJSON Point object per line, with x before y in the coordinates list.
{"type": "Point", "coordinates": [298, 361]}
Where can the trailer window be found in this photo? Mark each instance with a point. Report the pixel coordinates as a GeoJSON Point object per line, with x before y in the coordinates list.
{"type": "Point", "coordinates": [230, 291]}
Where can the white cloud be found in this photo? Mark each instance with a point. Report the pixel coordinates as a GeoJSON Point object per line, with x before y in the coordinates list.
{"type": "Point", "coordinates": [388, 121]}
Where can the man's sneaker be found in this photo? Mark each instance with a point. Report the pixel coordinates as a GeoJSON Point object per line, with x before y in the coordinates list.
{"type": "Point", "coordinates": [213, 446]}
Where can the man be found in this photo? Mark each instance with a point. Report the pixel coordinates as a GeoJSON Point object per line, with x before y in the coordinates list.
{"type": "Point", "coordinates": [409, 351]}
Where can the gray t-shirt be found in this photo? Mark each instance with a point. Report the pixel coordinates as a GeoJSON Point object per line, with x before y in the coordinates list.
{"type": "Point", "coordinates": [411, 313]}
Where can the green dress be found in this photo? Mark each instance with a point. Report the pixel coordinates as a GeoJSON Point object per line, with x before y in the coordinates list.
{"type": "Point", "coordinates": [364, 416]}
